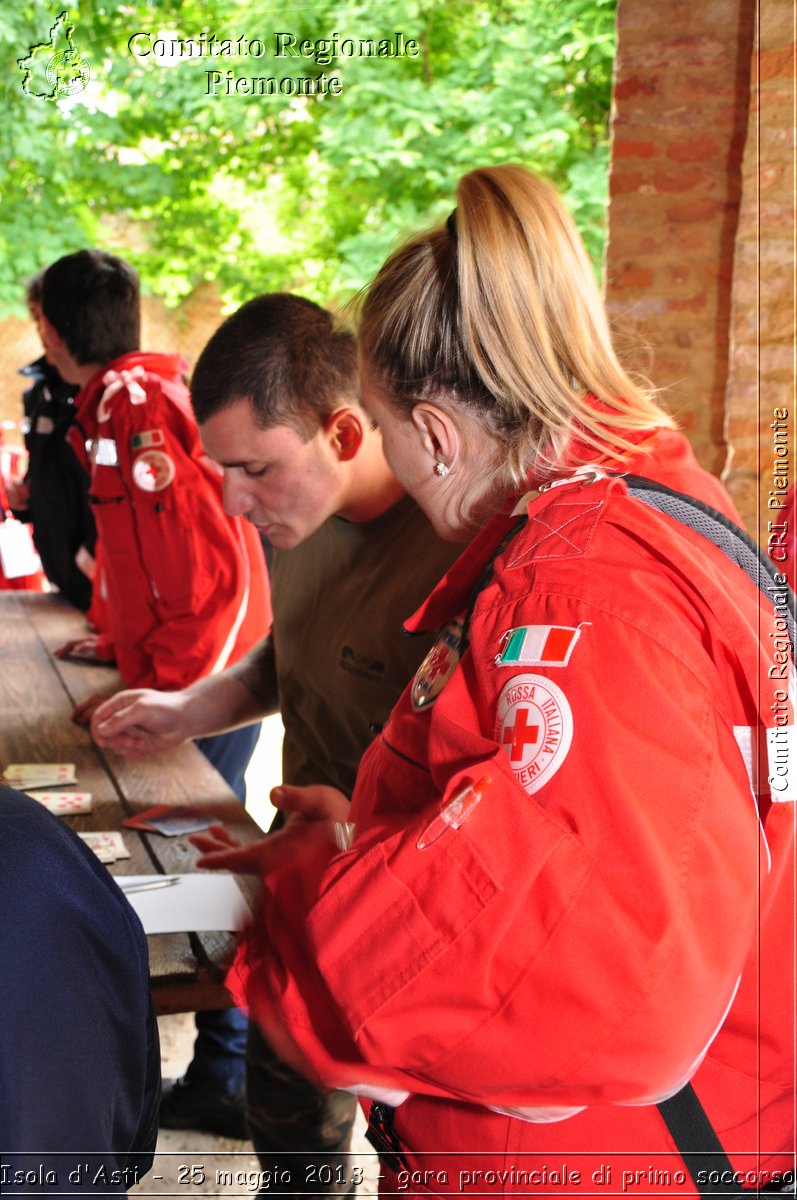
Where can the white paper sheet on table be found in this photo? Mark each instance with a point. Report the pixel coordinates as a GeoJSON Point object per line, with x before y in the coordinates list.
{"type": "Point", "coordinates": [193, 904]}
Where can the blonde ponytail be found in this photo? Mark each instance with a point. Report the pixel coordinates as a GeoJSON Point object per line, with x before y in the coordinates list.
{"type": "Point", "coordinates": [499, 310]}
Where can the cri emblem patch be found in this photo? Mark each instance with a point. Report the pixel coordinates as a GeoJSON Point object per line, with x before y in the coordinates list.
{"type": "Point", "coordinates": [153, 471]}
{"type": "Point", "coordinates": [438, 666]}
{"type": "Point", "coordinates": [534, 724]}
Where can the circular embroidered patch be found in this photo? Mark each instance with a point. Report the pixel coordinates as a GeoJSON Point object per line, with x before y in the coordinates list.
{"type": "Point", "coordinates": [534, 724]}
{"type": "Point", "coordinates": [153, 471]}
{"type": "Point", "coordinates": [438, 666]}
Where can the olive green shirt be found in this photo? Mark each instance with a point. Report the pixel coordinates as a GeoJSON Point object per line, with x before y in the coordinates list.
{"type": "Point", "coordinates": [337, 659]}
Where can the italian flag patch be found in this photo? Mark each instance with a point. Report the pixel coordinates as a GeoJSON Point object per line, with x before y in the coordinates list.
{"type": "Point", "coordinates": [537, 645]}
{"type": "Point", "coordinates": [146, 439]}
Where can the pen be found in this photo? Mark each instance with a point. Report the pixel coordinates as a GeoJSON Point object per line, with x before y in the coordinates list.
{"type": "Point", "coordinates": [455, 812]}
{"type": "Point", "coordinates": [150, 885]}
{"type": "Point", "coordinates": [343, 833]}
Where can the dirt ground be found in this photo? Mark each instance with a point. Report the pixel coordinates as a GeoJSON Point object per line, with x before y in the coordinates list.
{"type": "Point", "coordinates": [190, 1163]}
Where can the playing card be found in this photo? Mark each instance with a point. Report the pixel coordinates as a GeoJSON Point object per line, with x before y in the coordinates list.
{"type": "Point", "coordinates": [37, 775]}
{"type": "Point", "coordinates": [169, 820]}
{"type": "Point", "coordinates": [64, 804]}
{"type": "Point", "coordinates": [108, 846]}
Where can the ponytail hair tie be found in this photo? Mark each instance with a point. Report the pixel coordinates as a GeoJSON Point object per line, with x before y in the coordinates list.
{"type": "Point", "coordinates": [451, 226]}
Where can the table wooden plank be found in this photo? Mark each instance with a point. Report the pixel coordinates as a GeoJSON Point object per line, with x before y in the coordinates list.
{"type": "Point", "coordinates": [32, 691]}
{"type": "Point", "coordinates": [183, 776]}
{"type": "Point", "coordinates": [39, 692]}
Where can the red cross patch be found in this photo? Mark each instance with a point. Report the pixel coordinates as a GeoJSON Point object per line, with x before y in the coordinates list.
{"type": "Point", "coordinates": [520, 735]}
{"type": "Point", "coordinates": [534, 725]}
{"type": "Point", "coordinates": [153, 471]}
{"type": "Point", "coordinates": [438, 666]}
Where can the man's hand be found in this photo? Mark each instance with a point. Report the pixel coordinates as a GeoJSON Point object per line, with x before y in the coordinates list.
{"type": "Point", "coordinates": [18, 495]}
{"type": "Point", "coordinates": [311, 814]}
{"type": "Point", "coordinates": [81, 715]}
{"type": "Point", "coordinates": [141, 722]}
{"type": "Point", "coordinates": [91, 648]}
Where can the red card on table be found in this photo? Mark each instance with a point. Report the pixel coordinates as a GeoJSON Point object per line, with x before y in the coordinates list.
{"type": "Point", "coordinates": [168, 820]}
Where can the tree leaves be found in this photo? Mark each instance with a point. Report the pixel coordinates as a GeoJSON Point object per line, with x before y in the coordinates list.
{"type": "Point", "coordinates": [305, 193]}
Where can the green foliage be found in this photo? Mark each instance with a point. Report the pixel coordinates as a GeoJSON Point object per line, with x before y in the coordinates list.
{"type": "Point", "coordinates": [262, 192]}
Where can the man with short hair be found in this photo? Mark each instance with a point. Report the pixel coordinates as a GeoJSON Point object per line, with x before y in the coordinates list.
{"type": "Point", "coordinates": [185, 583]}
{"type": "Point", "coordinates": [275, 392]}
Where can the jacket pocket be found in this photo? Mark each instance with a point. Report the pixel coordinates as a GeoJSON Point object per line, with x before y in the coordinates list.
{"type": "Point", "coordinates": [388, 914]}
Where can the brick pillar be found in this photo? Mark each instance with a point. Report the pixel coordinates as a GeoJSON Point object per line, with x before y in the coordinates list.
{"type": "Point", "coordinates": [760, 399]}
{"type": "Point", "coordinates": [681, 99]}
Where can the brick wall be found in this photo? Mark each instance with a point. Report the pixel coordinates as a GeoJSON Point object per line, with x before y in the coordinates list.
{"type": "Point", "coordinates": [703, 107]}
{"type": "Point", "coordinates": [678, 137]}
{"type": "Point", "coordinates": [760, 398]}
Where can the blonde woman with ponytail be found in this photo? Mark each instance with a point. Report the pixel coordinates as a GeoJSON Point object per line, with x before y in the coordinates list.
{"type": "Point", "coordinates": [556, 898]}
{"type": "Point", "coordinates": [497, 316]}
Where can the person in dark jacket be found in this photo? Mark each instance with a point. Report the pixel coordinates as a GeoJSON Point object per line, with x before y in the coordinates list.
{"type": "Point", "coordinates": [79, 1052]}
{"type": "Point", "coordinates": [54, 495]}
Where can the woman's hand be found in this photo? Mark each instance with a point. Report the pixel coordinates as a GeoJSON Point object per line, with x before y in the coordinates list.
{"type": "Point", "coordinates": [311, 811]}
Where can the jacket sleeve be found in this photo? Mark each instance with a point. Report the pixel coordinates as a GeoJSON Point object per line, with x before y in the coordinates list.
{"type": "Point", "coordinates": [574, 942]}
{"type": "Point", "coordinates": [84, 951]}
{"type": "Point", "coordinates": [178, 569]}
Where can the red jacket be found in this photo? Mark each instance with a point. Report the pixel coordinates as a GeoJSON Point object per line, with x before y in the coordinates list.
{"type": "Point", "coordinates": [187, 591]}
{"type": "Point", "coordinates": [614, 916]}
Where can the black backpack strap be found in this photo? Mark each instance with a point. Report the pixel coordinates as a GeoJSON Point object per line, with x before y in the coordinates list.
{"type": "Point", "coordinates": [687, 1121]}
{"type": "Point", "coordinates": [697, 1143]}
{"type": "Point", "coordinates": [382, 1136]}
{"type": "Point", "coordinates": [734, 542]}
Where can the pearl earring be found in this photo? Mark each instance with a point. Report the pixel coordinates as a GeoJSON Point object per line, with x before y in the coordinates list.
{"type": "Point", "coordinates": [441, 468]}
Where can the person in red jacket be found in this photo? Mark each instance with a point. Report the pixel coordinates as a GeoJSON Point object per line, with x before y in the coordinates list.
{"type": "Point", "coordinates": [185, 590]}
{"type": "Point", "coordinates": [565, 886]}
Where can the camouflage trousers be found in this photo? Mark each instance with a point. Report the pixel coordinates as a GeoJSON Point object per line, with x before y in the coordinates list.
{"type": "Point", "coordinates": [300, 1135]}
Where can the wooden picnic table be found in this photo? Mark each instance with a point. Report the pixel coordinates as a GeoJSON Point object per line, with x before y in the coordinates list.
{"type": "Point", "coordinates": [37, 695]}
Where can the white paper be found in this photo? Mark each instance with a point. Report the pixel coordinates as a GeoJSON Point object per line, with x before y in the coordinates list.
{"type": "Point", "coordinates": [193, 904]}
{"type": "Point", "coordinates": [17, 553]}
